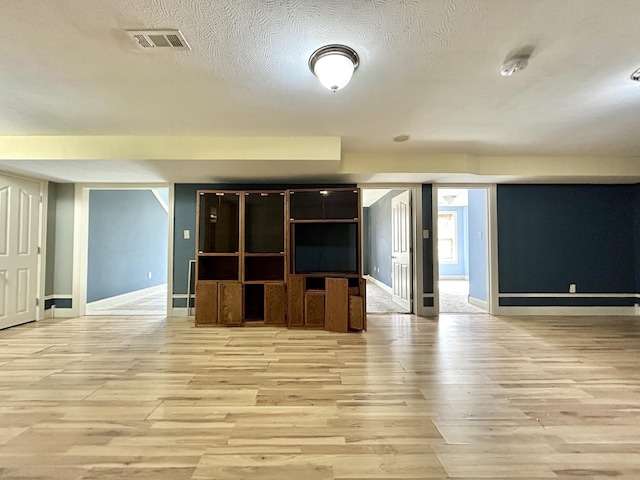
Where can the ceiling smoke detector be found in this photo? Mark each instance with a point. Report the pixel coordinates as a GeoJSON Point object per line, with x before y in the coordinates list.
{"type": "Point", "coordinates": [159, 39]}
{"type": "Point", "coordinates": [513, 65]}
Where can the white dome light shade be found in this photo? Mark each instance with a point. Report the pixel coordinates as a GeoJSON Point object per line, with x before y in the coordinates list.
{"type": "Point", "coordinates": [334, 71]}
{"type": "Point", "coordinates": [334, 65]}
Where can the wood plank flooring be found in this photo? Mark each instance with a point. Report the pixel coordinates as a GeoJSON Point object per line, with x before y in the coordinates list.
{"type": "Point", "coordinates": [464, 397]}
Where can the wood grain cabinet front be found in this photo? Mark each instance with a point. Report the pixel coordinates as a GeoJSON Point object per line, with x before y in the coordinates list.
{"type": "Point", "coordinates": [206, 303]}
{"type": "Point", "coordinates": [230, 303]}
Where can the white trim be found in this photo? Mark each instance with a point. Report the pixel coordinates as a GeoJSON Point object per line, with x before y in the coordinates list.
{"type": "Point", "coordinates": [477, 302]}
{"type": "Point", "coordinates": [568, 311]}
{"type": "Point", "coordinates": [418, 257]}
{"type": "Point", "coordinates": [59, 295]}
{"type": "Point", "coordinates": [492, 232]}
{"type": "Point", "coordinates": [161, 201]}
{"type": "Point", "coordinates": [42, 246]}
{"type": "Point", "coordinates": [170, 272]}
{"type": "Point", "coordinates": [384, 287]}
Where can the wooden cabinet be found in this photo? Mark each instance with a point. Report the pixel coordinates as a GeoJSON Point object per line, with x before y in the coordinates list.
{"type": "Point", "coordinates": [271, 257]}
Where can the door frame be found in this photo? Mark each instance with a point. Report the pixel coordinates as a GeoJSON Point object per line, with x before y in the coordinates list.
{"type": "Point", "coordinates": [492, 242]}
{"type": "Point", "coordinates": [43, 185]}
{"type": "Point", "coordinates": [81, 239]}
{"type": "Point", "coordinates": [416, 303]}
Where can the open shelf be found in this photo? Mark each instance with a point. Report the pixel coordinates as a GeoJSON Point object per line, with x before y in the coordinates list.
{"type": "Point", "coordinates": [214, 267]}
{"type": "Point", "coordinates": [330, 204]}
{"type": "Point", "coordinates": [263, 268]}
{"type": "Point", "coordinates": [254, 302]}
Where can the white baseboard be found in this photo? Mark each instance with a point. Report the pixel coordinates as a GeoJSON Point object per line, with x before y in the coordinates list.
{"type": "Point", "coordinates": [478, 303]}
{"type": "Point", "coordinates": [64, 312]}
{"type": "Point", "coordinates": [383, 286]}
{"type": "Point", "coordinates": [123, 298]}
{"type": "Point", "coordinates": [181, 312]}
{"type": "Point", "coordinates": [568, 311]}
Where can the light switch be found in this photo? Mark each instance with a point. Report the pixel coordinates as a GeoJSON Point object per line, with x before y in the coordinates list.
{"type": "Point", "coordinates": [425, 233]}
{"type": "Point", "coordinates": [187, 234]}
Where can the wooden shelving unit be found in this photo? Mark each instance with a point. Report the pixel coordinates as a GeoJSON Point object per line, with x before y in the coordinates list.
{"type": "Point", "coordinates": [280, 258]}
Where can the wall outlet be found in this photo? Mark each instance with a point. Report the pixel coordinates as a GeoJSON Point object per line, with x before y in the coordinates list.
{"type": "Point", "coordinates": [149, 275]}
{"type": "Point", "coordinates": [187, 234]}
{"type": "Point", "coordinates": [572, 288]}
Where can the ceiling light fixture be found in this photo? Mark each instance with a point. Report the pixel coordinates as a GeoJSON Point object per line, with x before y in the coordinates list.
{"type": "Point", "coordinates": [513, 65]}
{"type": "Point", "coordinates": [334, 65]}
{"type": "Point", "coordinates": [635, 76]}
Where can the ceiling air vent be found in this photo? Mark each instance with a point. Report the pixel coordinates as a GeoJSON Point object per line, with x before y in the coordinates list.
{"type": "Point", "coordinates": [159, 39]}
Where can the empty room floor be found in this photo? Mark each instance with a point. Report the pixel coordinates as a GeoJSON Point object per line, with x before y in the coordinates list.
{"type": "Point", "coordinates": [463, 397]}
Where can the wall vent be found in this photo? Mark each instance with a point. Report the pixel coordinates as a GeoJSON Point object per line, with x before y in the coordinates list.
{"type": "Point", "coordinates": [159, 39]}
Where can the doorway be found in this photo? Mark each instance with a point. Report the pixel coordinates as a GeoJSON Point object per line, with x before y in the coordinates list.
{"type": "Point", "coordinates": [387, 249]}
{"type": "Point", "coordinates": [127, 244]}
{"type": "Point", "coordinates": [463, 249]}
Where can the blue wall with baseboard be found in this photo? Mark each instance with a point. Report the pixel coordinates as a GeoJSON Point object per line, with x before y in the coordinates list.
{"type": "Point", "coordinates": [127, 239]}
{"type": "Point", "coordinates": [550, 236]}
{"type": "Point", "coordinates": [636, 235]}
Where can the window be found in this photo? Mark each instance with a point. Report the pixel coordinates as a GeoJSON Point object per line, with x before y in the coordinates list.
{"type": "Point", "coordinates": [448, 237]}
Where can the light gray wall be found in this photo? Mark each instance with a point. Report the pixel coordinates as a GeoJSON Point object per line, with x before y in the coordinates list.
{"type": "Point", "coordinates": [50, 244]}
{"type": "Point", "coordinates": [63, 238]}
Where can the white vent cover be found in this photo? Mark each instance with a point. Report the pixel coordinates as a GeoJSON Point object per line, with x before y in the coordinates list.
{"type": "Point", "coordinates": [159, 39]}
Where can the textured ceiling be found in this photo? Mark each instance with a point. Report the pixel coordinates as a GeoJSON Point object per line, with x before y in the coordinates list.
{"type": "Point", "coordinates": [429, 69]}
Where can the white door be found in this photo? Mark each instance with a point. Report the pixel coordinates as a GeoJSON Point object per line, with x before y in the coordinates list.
{"type": "Point", "coordinates": [19, 215]}
{"type": "Point", "coordinates": [401, 255]}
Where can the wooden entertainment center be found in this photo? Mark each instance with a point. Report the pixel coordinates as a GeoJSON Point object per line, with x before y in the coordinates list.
{"type": "Point", "coordinates": [280, 257]}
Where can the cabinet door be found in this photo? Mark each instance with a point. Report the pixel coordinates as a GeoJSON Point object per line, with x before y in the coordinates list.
{"type": "Point", "coordinates": [337, 305]}
{"type": "Point", "coordinates": [274, 303]}
{"type": "Point", "coordinates": [264, 222]}
{"type": "Point", "coordinates": [206, 302]}
{"type": "Point", "coordinates": [356, 313]}
{"type": "Point", "coordinates": [314, 309]}
{"type": "Point", "coordinates": [218, 222]}
{"type": "Point", "coordinates": [230, 303]}
{"type": "Point", "coordinates": [295, 317]}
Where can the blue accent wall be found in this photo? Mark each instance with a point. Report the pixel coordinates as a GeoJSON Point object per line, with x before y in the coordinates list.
{"type": "Point", "coordinates": [552, 235]}
{"type": "Point", "coordinates": [427, 244]}
{"type": "Point", "coordinates": [478, 244]}
{"type": "Point", "coordinates": [461, 267]}
{"type": "Point", "coordinates": [127, 239]}
{"type": "Point", "coordinates": [636, 235]}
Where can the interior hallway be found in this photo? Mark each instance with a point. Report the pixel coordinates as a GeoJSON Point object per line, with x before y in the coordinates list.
{"type": "Point", "coordinates": [459, 397]}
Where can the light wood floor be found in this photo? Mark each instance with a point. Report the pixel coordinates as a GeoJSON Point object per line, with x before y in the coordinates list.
{"type": "Point", "coordinates": [463, 397]}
